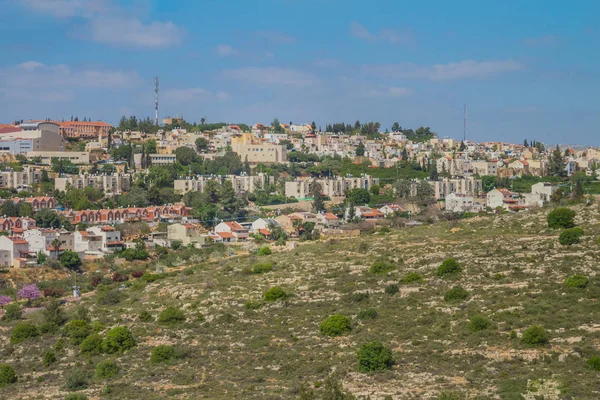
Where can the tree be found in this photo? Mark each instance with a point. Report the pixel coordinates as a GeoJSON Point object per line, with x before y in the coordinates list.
{"type": "Point", "coordinates": [70, 260]}
{"type": "Point", "coordinates": [374, 356]}
{"type": "Point", "coordinates": [315, 190]}
{"type": "Point", "coordinates": [556, 163]}
{"type": "Point", "coordinates": [4, 300]}
{"type": "Point", "coordinates": [185, 155]}
{"type": "Point", "coordinates": [276, 126]}
{"type": "Point", "coordinates": [424, 190]}
{"type": "Point", "coordinates": [396, 127]}
{"type": "Point", "coordinates": [313, 127]}
{"type": "Point", "coordinates": [360, 150]}
{"type": "Point", "coordinates": [117, 340]}
{"type": "Point", "coordinates": [29, 292]}
{"type": "Point", "coordinates": [201, 145]}
{"type": "Point", "coordinates": [402, 188]}
{"type": "Point", "coordinates": [7, 375]}
{"type": "Point", "coordinates": [525, 143]}
{"type": "Point", "coordinates": [462, 146]}
{"type": "Point", "coordinates": [561, 218]}
{"type": "Point", "coordinates": [358, 196]}
{"type": "Point", "coordinates": [9, 209]}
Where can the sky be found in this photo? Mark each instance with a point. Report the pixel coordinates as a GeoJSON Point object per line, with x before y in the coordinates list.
{"type": "Point", "coordinates": [525, 69]}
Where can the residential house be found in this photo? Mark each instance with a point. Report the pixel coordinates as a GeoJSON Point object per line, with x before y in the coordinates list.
{"type": "Point", "coordinates": [462, 203]}
{"type": "Point", "coordinates": [14, 251]}
{"type": "Point", "coordinates": [328, 220]}
{"type": "Point", "coordinates": [231, 231]}
{"type": "Point", "coordinates": [186, 234]}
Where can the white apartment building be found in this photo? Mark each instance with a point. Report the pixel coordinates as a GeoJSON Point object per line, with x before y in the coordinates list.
{"type": "Point", "coordinates": [114, 183]}
{"type": "Point", "coordinates": [241, 183]}
{"type": "Point", "coordinates": [337, 186]}
{"type": "Point", "coordinates": [469, 186]}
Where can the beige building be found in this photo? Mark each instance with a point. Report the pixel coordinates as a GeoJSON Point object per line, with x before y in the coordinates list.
{"type": "Point", "coordinates": [468, 186]}
{"type": "Point", "coordinates": [20, 179]}
{"type": "Point", "coordinates": [257, 151]}
{"type": "Point", "coordinates": [74, 156]}
{"type": "Point", "coordinates": [330, 187]}
{"type": "Point", "coordinates": [114, 184]}
{"type": "Point", "coordinates": [186, 233]}
{"type": "Point", "coordinates": [31, 136]}
{"type": "Point", "coordinates": [241, 183]}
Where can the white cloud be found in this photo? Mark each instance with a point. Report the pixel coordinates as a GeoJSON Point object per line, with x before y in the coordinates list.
{"type": "Point", "coordinates": [132, 32]}
{"type": "Point", "coordinates": [226, 50]}
{"type": "Point", "coordinates": [194, 94]}
{"type": "Point", "coordinates": [548, 40]}
{"type": "Point", "coordinates": [385, 34]}
{"type": "Point", "coordinates": [107, 23]}
{"type": "Point", "coordinates": [390, 92]}
{"type": "Point", "coordinates": [57, 8]}
{"type": "Point", "coordinates": [451, 71]}
{"type": "Point", "coordinates": [271, 76]}
{"type": "Point", "coordinates": [49, 83]}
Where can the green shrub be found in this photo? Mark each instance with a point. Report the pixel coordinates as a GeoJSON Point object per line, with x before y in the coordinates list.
{"type": "Point", "coordinates": [252, 305]}
{"type": "Point", "coordinates": [171, 315]}
{"type": "Point", "coordinates": [77, 379]}
{"type": "Point", "coordinates": [369, 313]}
{"type": "Point", "coordinates": [535, 335]}
{"type": "Point", "coordinates": [449, 266]}
{"type": "Point", "coordinates": [561, 218]}
{"type": "Point", "coordinates": [49, 358]}
{"type": "Point", "coordinates": [117, 340]}
{"type": "Point", "coordinates": [449, 396]}
{"type": "Point", "coordinates": [336, 325]}
{"type": "Point", "coordinates": [381, 267]}
{"type": "Point", "coordinates": [12, 312]}
{"type": "Point", "coordinates": [97, 326]}
{"type": "Point", "coordinates": [145, 316]}
{"type": "Point", "coordinates": [262, 268]}
{"type": "Point", "coordinates": [392, 289]}
{"type": "Point", "coordinates": [570, 236]}
{"type": "Point", "coordinates": [106, 369]}
{"type": "Point", "coordinates": [162, 354]}
{"type": "Point", "coordinates": [76, 396]}
{"type": "Point", "coordinates": [456, 293]}
{"type": "Point", "coordinates": [23, 331]}
{"type": "Point", "coordinates": [77, 330]}
{"type": "Point", "coordinates": [594, 363]}
{"type": "Point", "coordinates": [359, 297]}
{"type": "Point", "coordinates": [274, 294]}
{"type": "Point", "coordinates": [577, 281]}
{"type": "Point", "coordinates": [478, 323]}
{"type": "Point", "coordinates": [412, 277]}
{"type": "Point", "coordinates": [91, 344]}
{"type": "Point", "coordinates": [109, 298]}
{"type": "Point", "coordinates": [374, 356]}
{"type": "Point", "coordinates": [7, 375]}
{"type": "Point", "coordinates": [264, 251]}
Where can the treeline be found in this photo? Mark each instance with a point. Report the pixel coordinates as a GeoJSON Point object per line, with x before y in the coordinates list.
{"type": "Point", "coordinates": [372, 129]}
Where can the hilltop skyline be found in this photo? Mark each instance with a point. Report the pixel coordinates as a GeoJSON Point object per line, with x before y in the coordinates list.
{"type": "Point", "coordinates": [524, 70]}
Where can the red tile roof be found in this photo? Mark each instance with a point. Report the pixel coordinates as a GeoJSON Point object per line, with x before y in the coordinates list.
{"type": "Point", "coordinates": [226, 235]}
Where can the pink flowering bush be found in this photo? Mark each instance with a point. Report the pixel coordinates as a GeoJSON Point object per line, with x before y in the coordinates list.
{"type": "Point", "coordinates": [4, 300]}
{"type": "Point", "coordinates": [29, 292]}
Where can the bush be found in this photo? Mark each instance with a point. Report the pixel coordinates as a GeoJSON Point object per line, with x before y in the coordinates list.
{"type": "Point", "coordinates": [137, 274]}
{"type": "Point", "coordinates": [22, 332]}
{"type": "Point", "coordinates": [53, 292]}
{"type": "Point", "coordinates": [106, 369]}
{"type": "Point", "coordinates": [145, 316]}
{"type": "Point", "coordinates": [478, 323]}
{"type": "Point", "coordinates": [412, 277]}
{"type": "Point", "coordinates": [449, 266]}
{"type": "Point", "coordinates": [374, 356]}
{"type": "Point", "coordinates": [561, 218]}
{"type": "Point", "coordinates": [76, 396]}
{"type": "Point", "coordinates": [53, 315]}
{"type": "Point", "coordinates": [162, 354]}
{"type": "Point", "coordinates": [381, 267]}
{"type": "Point", "coordinates": [176, 244]}
{"type": "Point", "coordinates": [570, 236]}
{"type": "Point", "coordinates": [171, 315]}
{"type": "Point", "coordinates": [76, 380]}
{"type": "Point", "coordinates": [77, 330]}
{"type": "Point", "coordinates": [262, 268]}
{"type": "Point", "coordinates": [12, 312]}
{"type": "Point", "coordinates": [335, 325]}
{"type": "Point", "coordinates": [91, 344]}
{"type": "Point", "coordinates": [577, 281]}
{"type": "Point", "coordinates": [392, 289]}
{"type": "Point", "coordinates": [97, 326]}
{"type": "Point", "coordinates": [264, 251]}
{"type": "Point", "coordinates": [110, 298]}
{"type": "Point", "coordinates": [369, 313]}
{"type": "Point", "coordinates": [359, 297]}
{"type": "Point", "coordinates": [7, 375]}
{"type": "Point", "coordinates": [118, 339]}
{"type": "Point", "coordinates": [119, 277]}
{"type": "Point", "coordinates": [274, 294]}
{"type": "Point", "coordinates": [535, 335]}
{"type": "Point", "coordinates": [456, 293]}
{"type": "Point", "coordinates": [252, 305]}
{"type": "Point", "coordinates": [594, 363]}
{"type": "Point", "coordinates": [49, 358]}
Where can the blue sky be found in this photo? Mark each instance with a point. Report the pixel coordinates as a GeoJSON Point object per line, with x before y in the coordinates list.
{"type": "Point", "coordinates": [526, 69]}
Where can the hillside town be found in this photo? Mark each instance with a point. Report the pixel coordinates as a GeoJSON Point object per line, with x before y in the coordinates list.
{"type": "Point", "coordinates": [71, 186]}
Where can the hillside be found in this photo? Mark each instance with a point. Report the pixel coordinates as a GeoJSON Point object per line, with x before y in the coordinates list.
{"type": "Point", "coordinates": [235, 345]}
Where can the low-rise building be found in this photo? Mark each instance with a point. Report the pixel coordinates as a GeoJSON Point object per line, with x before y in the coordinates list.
{"type": "Point", "coordinates": [14, 251]}
{"type": "Point", "coordinates": [462, 203]}
{"type": "Point", "coordinates": [186, 234]}
{"type": "Point", "coordinates": [231, 231]}
{"type": "Point", "coordinates": [331, 187]}
{"type": "Point", "coordinates": [115, 183]}
{"type": "Point", "coordinates": [76, 157]}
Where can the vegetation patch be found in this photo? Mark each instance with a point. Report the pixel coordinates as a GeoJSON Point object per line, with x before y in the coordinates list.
{"type": "Point", "coordinates": [448, 267]}
{"type": "Point", "coordinates": [336, 325]}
